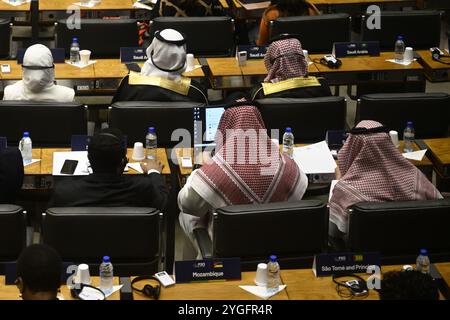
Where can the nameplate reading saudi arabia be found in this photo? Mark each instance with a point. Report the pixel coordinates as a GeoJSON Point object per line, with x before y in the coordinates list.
{"type": "Point", "coordinates": [362, 48]}
{"type": "Point", "coordinates": [132, 54]}
{"type": "Point", "coordinates": [253, 52]}
{"type": "Point", "coordinates": [207, 270]}
{"type": "Point", "coordinates": [329, 264]}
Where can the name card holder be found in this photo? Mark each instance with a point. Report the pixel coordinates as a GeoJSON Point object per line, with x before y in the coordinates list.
{"type": "Point", "coordinates": [132, 54]}
{"type": "Point", "coordinates": [329, 264]}
{"type": "Point", "coordinates": [349, 49]}
{"type": "Point", "coordinates": [253, 52]}
{"type": "Point", "coordinates": [207, 270]}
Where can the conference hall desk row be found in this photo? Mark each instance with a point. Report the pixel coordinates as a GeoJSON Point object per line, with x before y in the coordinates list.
{"type": "Point", "coordinates": [441, 147]}
{"type": "Point", "coordinates": [301, 284]}
{"type": "Point", "coordinates": [102, 77]}
{"type": "Point", "coordinates": [38, 175]}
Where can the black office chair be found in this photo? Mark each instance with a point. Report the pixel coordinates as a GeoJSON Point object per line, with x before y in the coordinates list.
{"type": "Point", "coordinates": [51, 124]}
{"type": "Point", "coordinates": [420, 29]}
{"type": "Point", "coordinates": [294, 231]}
{"type": "Point", "coordinates": [205, 36]}
{"type": "Point", "coordinates": [398, 230]}
{"type": "Point", "coordinates": [429, 112]}
{"type": "Point", "coordinates": [91, 35]}
{"type": "Point", "coordinates": [130, 236]}
{"type": "Point", "coordinates": [13, 232]}
{"type": "Point", "coordinates": [309, 118]}
{"type": "Point", "coordinates": [5, 38]}
{"type": "Point", "coordinates": [316, 33]}
{"type": "Point", "coordinates": [134, 119]}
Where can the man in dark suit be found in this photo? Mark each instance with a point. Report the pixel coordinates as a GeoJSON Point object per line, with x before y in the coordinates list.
{"type": "Point", "coordinates": [107, 186]}
{"type": "Point", "coordinates": [11, 174]}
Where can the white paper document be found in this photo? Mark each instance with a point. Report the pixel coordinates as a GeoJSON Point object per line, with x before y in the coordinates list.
{"type": "Point", "coordinates": [31, 162]}
{"type": "Point", "coordinates": [139, 5]}
{"type": "Point", "coordinates": [403, 63]}
{"type": "Point", "coordinates": [136, 166]}
{"type": "Point", "coordinates": [415, 155]}
{"type": "Point", "coordinates": [315, 158]}
{"type": "Point", "coordinates": [193, 68]}
{"type": "Point", "coordinates": [81, 66]}
{"type": "Point", "coordinates": [16, 3]}
{"type": "Point", "coordinates": [82, 168]}
{"type": "Point", "coordinates": [262, 291]}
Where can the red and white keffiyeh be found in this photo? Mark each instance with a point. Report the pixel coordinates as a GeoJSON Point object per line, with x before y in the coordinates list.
{"type": "Point", "coordinates": [373, 169]}
{"type": "Point", "coordinates": [239, 173]}
{"type": "Point", "coordinates": [284, 60]}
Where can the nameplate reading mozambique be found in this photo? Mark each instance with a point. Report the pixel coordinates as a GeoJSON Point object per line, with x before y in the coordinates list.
{"type": "Point", "coordinates": [329, 264]}
{"type": "Point", "coordinates": [363, 48]}
{"type": "Point", "coordinates": [132, 54]}
{"type": "Point", "coordinates": [58, 55]}
{"type": "Point", "coordinates": [207, 270]}
{"type": "Point", "coordinates": [253, 52]}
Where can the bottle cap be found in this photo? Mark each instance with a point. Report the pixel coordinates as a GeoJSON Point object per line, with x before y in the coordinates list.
{"type": "Point", "coordinates": [288, 130]}
{"type": "Point", "coordinates": [106, 259]}
{"type": "Point", "coordinates": [400, 38]}
{"type": "Point", "coordinates": [424, 252]}
{"type": "Point", "coordinates": [26, 134]}
{"type": "Point", "coordinates": [273, 258]}
{"type": "Point", "coordinates": [409, 124]}
{"type": "Point", "coordinates": [151, 129]}
{"type": "Point", "coordinates": [75, 39]}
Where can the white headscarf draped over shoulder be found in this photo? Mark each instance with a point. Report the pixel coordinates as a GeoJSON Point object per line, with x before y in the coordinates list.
{"type": "Point", "coordinates": [166, 55]}
{"type": "Point", "coordinates": [38, 76]}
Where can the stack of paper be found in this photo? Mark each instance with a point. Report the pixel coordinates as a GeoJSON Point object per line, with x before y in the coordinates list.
{"type": "Point", "coordinates": [315, 158]}
{"type": "Point", "coordinates": [82, 166]}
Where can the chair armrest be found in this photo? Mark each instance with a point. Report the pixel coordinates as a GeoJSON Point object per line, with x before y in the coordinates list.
{"type": "Point", "coordinates": [204, 242]}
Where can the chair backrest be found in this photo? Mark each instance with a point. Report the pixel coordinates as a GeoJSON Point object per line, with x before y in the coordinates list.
{"type": "Point", "coordinates": [294, 231]}
{"type": "Point", "coordinates": [51, 124]}
{"type": "Point", "coordinates": [316, 33]}
{"type": "Point", "coordinates": [420, 29]}
{"type": "Point", "coordinates": [309, 118]}
{"type": "Point", "coordinates": [13, 224]}
{"type": "Point", "coordinates": [429, 112]}
{"type": "Point", "coordinates": [5, 38]}
{"type": "Point", "coordinates": [205, 36]}
{"type": "Point", "coordinates": [400, 229]}
{"type": "Point", "coordinates": [134, 119]}
{"type": "Point", "coordinates": [103, 37]}
{"type": "Point", "coordinates": [130, 236]}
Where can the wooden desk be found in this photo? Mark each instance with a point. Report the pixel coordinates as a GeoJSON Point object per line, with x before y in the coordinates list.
{"type": "Point", "coordinates": [7, 7]}
{"type": "Point", "coordinates": [62, 5]}
{"type": "Point", "coordinates": [440, 150]}
{"type": "Point", "coordinates": [47, 160]}
{"type": "Point", "coordinates": [226, 73]}
{"type": "Point", "coordinates": [434, 70]}
{"type": "Point", "coordinates": [35, 168]}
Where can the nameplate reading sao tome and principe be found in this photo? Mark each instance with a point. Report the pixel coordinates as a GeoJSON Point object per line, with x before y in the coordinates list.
{"type": "Point", "coordinates": [335, 263]}
{"type": "Point", "coordinates": [207, 270]}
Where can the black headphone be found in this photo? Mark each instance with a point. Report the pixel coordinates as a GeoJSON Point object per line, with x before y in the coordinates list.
{"type": "Point", "coordinates": [356, 288]}
{"type": "Point", "coordinates": [148, 290]}
{"type": "Point", "coordinates": [331, 64]}
{"type": "Point", "coordinates": [436, 55]}
{"type": "Point", "coordinates": [78, 288]}
{"type": "Point", "coordinates": [357, 130]}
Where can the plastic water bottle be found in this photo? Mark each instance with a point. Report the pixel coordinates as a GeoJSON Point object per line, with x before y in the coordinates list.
{"type": "Point", "coordinates": [399, 49]}
{"type": "Point", "coordinates": [26, 147]}
{"type": "Point", "coordinates": [273, 274]}
{"type": "Point", "coordinates": [423, 262]}
{"type": "Point", "coordinates": [75, 51]}
{"type": "Point", "coordinates": [151, 143]}
{"type": "Point", "coordinates": [408, 137]}
{"type": "Point", "coordinates": [288, 143]}
{"type": "Point", "coordinates": [106, 275]}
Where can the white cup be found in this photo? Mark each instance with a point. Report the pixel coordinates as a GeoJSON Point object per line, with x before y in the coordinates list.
{"type": "Point", "coordinates": [85, 56]}
{"type": "Point", "coordinates": [261, 275]}
{"type": "Point", "coordinates": [83, 275]}
{"type": "Point", "coordinates": [138, 152]}
{"type": "Point", "coordinates": [409, 54]}
{"type": "Point", "coordinates": [190, 62]}
{"type": "Point", "coordinates": [394, 138]}
{"type": "Point", "coordinates": [305, 53]}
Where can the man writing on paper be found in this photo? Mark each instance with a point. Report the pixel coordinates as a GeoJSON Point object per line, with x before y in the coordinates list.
{"type": "Point", "coordinates": [107, 186]}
